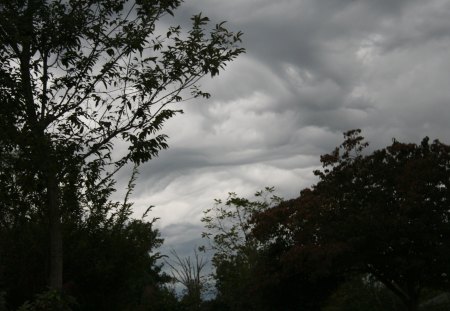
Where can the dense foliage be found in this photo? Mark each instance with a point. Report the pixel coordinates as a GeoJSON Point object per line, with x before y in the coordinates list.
{"type": "Point", "coordinates": [78, 78]}
{"type": "Point", "coordinates": [110, 264]}
{"type": "Point", "coordinates": [383, 214]}
{"type": "Point", "coordinates": [372, 234]}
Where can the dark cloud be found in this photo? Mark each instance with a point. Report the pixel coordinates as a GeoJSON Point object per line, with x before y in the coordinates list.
{"type": "Point", "coordinates": [313, 69]}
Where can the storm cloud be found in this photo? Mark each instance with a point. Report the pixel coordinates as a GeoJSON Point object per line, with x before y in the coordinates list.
{"type": "Point", "coordinates": [313, 69]}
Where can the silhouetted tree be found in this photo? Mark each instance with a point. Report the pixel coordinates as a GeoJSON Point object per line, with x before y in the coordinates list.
{"type": "Point", "coordinates": [79, 77]}
{"type": "Point", "coordinates": [235, 251]}
{"type": "Point", "coordinates": [189, 272]}
{"type": "Point", "coordinates": [111, 263]}
{"type": "Point", "coordinates": [384, 214]}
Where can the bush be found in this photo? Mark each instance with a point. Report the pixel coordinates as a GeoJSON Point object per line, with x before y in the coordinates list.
{"type": "Point", "coordinates": [50, 300]}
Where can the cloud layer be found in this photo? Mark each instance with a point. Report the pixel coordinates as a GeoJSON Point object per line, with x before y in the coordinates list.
{"type": "Point", "coordinates": [313, 69]}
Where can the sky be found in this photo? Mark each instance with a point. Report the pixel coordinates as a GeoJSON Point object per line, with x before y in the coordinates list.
{"type": "Point", "coordinates": [313, 69]}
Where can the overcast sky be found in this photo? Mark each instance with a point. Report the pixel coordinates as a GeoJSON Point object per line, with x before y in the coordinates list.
{"type": "Point", "coordinates": [313, 69]}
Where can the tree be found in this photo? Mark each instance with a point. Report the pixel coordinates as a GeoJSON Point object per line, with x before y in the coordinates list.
{"type": "Point", "coordinates": [189, 273]}
{"type": "Point", "coordinates": [79, 77]}
{"type": "Point", "coordinates": [111, 264]}
{"type": "Point", "coordinates": [384, 214]}
{"type": "Point", "coordinates": [235, 251]}
{"type": "Point", "coordinates": [363, 293]}
{"type": "Point", "coordinates": [248, 272]}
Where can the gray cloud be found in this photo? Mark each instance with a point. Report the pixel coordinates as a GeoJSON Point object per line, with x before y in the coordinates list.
{"type": "Point", "coordinates": [313, 69]}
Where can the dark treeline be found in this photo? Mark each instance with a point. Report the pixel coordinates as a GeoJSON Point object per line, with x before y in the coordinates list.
{"type": "Point", "coordinates": [372, 234]}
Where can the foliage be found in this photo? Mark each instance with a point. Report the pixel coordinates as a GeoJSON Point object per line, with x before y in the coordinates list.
{"type": "Point", "coordinates": [228, 224]}
{"type": "Point", "coordinates": [384, 214]}
{"type": "Point", "coordinates": [78, 78]}
{"type": "Point", "coordinates": [363, 293]}
{"type": "Point", "coordinates": [110, 265]}
{"type": "Point", "coordinates": [228, 228]}
{"type": "Point", "coordinates": [49, 301]}
{"type": "Point", "coordinates": [91, 72]}
{"type": "Point", "coordinates": [189, 273]}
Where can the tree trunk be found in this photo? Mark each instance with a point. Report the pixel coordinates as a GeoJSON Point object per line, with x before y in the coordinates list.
{"type": "Point", "coordinates": [42, 146]}
{"type": "Point", "coordinates": [55, 230]}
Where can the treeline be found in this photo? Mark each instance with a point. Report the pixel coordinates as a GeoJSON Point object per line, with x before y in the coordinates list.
{"type": "Point", "coordinates": [372, 234]}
